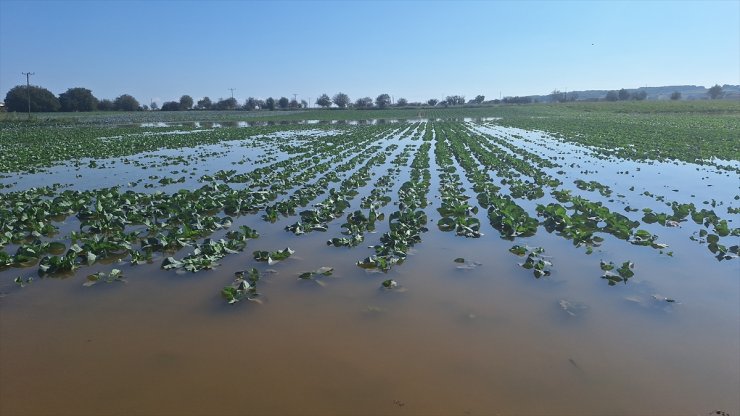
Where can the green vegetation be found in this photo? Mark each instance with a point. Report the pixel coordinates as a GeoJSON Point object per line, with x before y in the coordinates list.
{"type": "Point", "coordinates": [316, 276]}
{"type": "Point", "coordinates": [244, 286]}
{"type": "Point", "coordinates": [42, 100]}
{"type": "Point", "coordinates": [535, 260]}
{"type": "Point", "coordinates": [690, 131]}
{"type": "Point", "coordinates": [624, 272]}
{"type": "Point", "coordinates": [376, 177]}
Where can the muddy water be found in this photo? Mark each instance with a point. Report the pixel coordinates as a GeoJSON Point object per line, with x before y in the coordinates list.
{"type": "Point", "coordinates": [487, 340]}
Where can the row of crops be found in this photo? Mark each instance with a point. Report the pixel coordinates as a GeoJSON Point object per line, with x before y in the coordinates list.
{"type": "Point", "coordinates": [372, 179]}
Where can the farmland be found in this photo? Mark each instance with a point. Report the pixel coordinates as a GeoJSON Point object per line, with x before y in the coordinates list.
{"type": "Point", "coordinates": [514, 259]}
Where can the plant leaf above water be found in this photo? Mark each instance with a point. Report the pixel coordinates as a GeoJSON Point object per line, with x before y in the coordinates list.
{"type": "Point", "coordinates": [115, 275]}
{"type": "Point", "coordinates": [244, 287]}
{"type": "Point", "coordinates": [312, 275]}
{"type": "Point", "coordinates": [274, 256]}
{"type": "Point", "coordinates": [389, 284]}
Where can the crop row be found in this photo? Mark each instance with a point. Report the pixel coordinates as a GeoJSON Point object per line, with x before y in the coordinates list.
{"type": "Point", "coordinates": [359, 223]}
{"type": "Point", "coordinates": [408, 222]}
{"type": "Point", "coordinates": [457, 214]}
{"type": "Point", "coordinates": [504, 215]}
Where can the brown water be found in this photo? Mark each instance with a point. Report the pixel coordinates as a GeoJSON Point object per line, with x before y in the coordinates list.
{"type": "Point", "coordinates": [490, 340]}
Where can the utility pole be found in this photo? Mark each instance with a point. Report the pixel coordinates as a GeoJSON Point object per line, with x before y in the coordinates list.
{"type": "Point", "coordinates": [232, 91]}
{"type": "Point", "coordinates": [28, 90]}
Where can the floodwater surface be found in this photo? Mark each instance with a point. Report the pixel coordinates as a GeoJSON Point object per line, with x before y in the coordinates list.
{"type": "Point", "coordinates": [477, 337]}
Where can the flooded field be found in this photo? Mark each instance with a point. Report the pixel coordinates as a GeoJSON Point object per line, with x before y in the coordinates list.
{"type": "Point", "coordinates": [402, 267]}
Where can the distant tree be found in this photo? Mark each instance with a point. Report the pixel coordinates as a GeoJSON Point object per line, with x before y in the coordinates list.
{"type": "Point", "coordinates": [324, 101]}
{"type": "Point", "coordinates": [611, 96]}
{"type": "Point", "coordinates": [204, 104]}
{"type": "Point", "coordinates": [479, 99]}
{"type": "Point", "coordinates": [126, 102]}
{"type": "Point", "coordinates": [250, 104]}
{"type": "Point", "coordinates": [154, 106]}
{"type": "Point", "coordinates": [270, 103]}
{"type": "Point", "coordinates": [42, 100]}
{"type": "Point", "coordinates": [455, 100]}
{"type": "Point", "coordinates": [304, 104]}
{"type": "Point", "coordinates": [78, 99]}
{"type": "Point", "coordinates": [556, 96]}
{"type": "Point", "coordinates": [402, 102]}
{"type": "Point", "coordinates": [573, 96]}
{"type": "Point", "coordinates": [227, 104]}
{"type": "Point", "coordinates": [105, 105]}
{"type": "Point", "coordinates": [715, 92]}
{"type": "Point", "coordinates": [145, 107]}
{"type": "Point", "coordinates": [364, 102]}
{"type": "Point", "coordinates": [675, 96]}
{"type": "Point", "coordinates": [283, 103]}
{"type": "Point", "coordinates": [383, 100]}
{"type": "Point", "coordinates": [186, 102]}
{"type": "Point", "coordinates": [294, 104]}
{"type": "Point", "coordinates": [623, 95]}
{"type": "Point", "coordinates": [432, 101]}
{"type": "Point", "coordinates": [517, 100]}
{"type": "Point", "coordinates": [260, 103]}
{"type": "Point", "coordinates": [341, 100]}
{"type": "Point", "coordinates": [639, 95]}
{"type": "Point", "coordinates": [171, 106]}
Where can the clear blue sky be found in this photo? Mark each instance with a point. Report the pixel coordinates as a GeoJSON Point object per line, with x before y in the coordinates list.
{"type": "Point", "coordinates": [418, 50]}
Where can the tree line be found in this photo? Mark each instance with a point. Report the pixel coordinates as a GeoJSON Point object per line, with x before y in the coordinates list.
{"type": "Point", "coordinates": [713, 92]}
{"type": "Point", "coordinates": [82, 99]}
{"type": "Point", "coordinates": [74, 99]}
{"type": "Point", "coordinates": [339, 100]}
{"type": "Point", "coordinates": [624, 95]}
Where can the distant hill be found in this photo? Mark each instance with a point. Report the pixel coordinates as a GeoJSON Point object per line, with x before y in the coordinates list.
{"type": "Point", "coordinates": [688, 92]}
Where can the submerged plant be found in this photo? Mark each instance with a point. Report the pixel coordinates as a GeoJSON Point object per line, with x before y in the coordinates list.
{"type": "Point", "coordinates": [114, 275]}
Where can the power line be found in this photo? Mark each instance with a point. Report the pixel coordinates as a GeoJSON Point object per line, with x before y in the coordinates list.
{"type": "Point", "coordinates": [28, 90]}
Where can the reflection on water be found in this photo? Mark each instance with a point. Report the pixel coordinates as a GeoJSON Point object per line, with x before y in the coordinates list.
{"type": "Point", "coordinates": [209, 124]}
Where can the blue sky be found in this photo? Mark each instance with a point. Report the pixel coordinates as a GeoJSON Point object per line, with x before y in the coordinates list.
{"type": "Point", "coordinates": [418, 50]}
